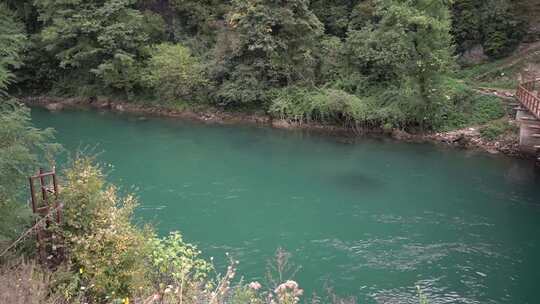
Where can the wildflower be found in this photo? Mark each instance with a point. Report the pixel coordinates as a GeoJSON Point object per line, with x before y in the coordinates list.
{"type": "Point", "coordinates": [255, 285]}
{"type": "Point", "coordinates": [289, 291]}
{"type": "Point", "coordinates": [81, 270]}
{"type": "Point", "coordinates": [125, 301]}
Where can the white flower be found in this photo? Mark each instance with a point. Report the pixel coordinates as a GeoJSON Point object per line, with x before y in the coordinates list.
{"type": "Point", "coordinates": [255, 285]}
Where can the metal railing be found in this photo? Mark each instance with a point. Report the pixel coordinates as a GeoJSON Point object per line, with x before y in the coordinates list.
{"type": "Point", "coordinates": [528, 94]}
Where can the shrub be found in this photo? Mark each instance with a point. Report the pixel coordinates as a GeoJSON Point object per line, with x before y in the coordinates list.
{"type": "Point", "coordinates": [242, 89]}
{"type": "Point", "coordinates": [105, 248]}
{"type": "Point", "coordinates": [110, 257]}
{"type": "Point", "coordinates": [172, 261]}
{"type": "Point", "coordinates": [323, 105]}
{"type": "Point", "coordinates": [174, 73]}
{"type": "Point", "coordinates": [122, 72]}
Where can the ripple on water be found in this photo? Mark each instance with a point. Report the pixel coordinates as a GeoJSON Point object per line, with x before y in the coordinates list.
{"type": "Point", "coordinates": [433, 289]}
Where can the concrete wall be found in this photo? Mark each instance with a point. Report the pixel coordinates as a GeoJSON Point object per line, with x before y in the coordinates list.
{"type": "Point", "coordinates": [526, 130]}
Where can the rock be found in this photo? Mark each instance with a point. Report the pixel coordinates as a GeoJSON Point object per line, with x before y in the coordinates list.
{"type": "Point", "coordinates": [492, 151]}
{"type": "Point", "coordinates": [474, 55]}
{"type": "Point", "coordinates": [281, 123]}
{"type": "Point", "coordinates": [401, 135]}
{"type": "Point", "coordinates": [119, 108]}
{"type": "Point", "coordinates": [100, 104]}
{"type": "Point", "coordinates": [462, 140]}
{"type": "Point", "coordinates": [54, 107]}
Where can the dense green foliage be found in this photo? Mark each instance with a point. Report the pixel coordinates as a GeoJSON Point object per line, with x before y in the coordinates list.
{"type": "Point", "coordinates": [494, 24]}
{"type": "Point", "coordinates": [96, 42]}
{"type": "Point", "coordinates": [22, 149]}
{"type": "Point", "coordinates": [12, 42]}
{"type": "Point", "coordinates": [174, 73]}
{"type": "Point", "coordinates": [390, 58]}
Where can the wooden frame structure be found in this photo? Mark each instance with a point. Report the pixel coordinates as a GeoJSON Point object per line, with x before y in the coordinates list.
{"type": "Point", "coordinates": [46, 206]}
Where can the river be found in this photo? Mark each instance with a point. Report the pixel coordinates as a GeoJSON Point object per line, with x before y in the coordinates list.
{"type": "Point", "coordinates": [373, 218]}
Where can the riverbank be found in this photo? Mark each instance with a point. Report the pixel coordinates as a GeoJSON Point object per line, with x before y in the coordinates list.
{"type": "Point", "coordinates": [467, 138]}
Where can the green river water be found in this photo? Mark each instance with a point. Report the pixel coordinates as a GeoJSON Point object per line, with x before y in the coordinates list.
{"type": "Point", "coordinates": [373, 218]}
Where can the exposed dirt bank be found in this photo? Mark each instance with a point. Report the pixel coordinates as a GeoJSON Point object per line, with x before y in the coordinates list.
{"type": "Point", "coordinates": [468, 138]}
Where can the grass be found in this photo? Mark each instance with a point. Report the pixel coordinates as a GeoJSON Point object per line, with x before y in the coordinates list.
{"type": "Point", "coordinates": [497, 129]}
{"type": "Point", "coordinates": [502, 74]}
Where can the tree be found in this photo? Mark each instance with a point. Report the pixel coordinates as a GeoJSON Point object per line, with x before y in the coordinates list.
{"type": "Point", "coordinates": [409, 49]}
{"type": "Point", "coordinates": [174, 73]}
{"type": "Point", "coordinates": [494, 24]}
{"type": "Point", "coordinates": [336, 15]}
{"type": "Point", "coordinates": [502, 29]}
{"type": "Point", "coordinates": [95, 40]}
{"type": "Point", "coordinates": [12, 42]}
{"type": "Point", "coordinates": [273, 47]}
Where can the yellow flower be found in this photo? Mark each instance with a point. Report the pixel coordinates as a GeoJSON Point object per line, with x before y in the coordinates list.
{"type": "Point", "coordinates": [81, 270]}
{"type": "Point", "coordinates": [125, 301]}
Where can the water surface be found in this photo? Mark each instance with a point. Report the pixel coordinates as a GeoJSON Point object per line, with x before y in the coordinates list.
{"type": "Point", "coordinates": [373, 219]}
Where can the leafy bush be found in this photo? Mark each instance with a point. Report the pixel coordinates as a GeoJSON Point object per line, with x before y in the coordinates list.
{"type": "Point", "coordinates": [105, 247]}
{"type": "Point", "coordinates": [112, 258]}
{"type": "Point", "coordinates": [243, 89]}
{"type": "Point", "coordinates": [174, 73]}
{"type": "Point", "coordinates": [323, 105]}
{"type": "Point", "coordinates": [122, 72]}
{"type": "Point", "coordinates": [173, 261]}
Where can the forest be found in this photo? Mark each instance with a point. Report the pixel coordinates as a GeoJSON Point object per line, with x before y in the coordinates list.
{"type": "Point", "coordinates": [373, 63]}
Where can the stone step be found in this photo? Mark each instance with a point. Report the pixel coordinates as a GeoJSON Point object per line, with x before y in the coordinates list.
{"type": "Point", "coordinates": [536, 135]}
